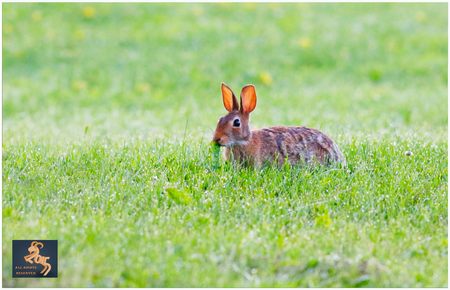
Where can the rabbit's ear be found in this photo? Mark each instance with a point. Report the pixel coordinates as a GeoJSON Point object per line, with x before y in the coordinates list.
{"type": "Point", "coordinates": [229, 99]}
{"type": "Point", "coordinates": [248, 99]}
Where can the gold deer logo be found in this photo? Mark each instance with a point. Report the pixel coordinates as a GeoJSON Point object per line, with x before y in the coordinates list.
{"type": "Point", "coordinates": [34, 257]}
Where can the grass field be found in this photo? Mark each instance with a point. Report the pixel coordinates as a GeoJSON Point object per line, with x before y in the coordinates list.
{"type": "Point", "coordinates": [108, 111]}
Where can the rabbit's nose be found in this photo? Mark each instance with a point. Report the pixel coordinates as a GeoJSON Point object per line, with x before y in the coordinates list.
{"type": "Point", "coordinates": [217, 140]}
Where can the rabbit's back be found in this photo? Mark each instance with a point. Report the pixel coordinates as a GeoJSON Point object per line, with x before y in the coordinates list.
{"type": "Point", "coordinates": [294, 144]}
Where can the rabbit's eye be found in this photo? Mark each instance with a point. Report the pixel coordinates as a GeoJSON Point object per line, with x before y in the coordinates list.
{"type": "Point", "coordinates": [236, 123]}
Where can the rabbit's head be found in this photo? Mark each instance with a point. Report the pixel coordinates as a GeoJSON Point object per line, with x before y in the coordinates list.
{"type": "Point", "coordinates": [233, 129]}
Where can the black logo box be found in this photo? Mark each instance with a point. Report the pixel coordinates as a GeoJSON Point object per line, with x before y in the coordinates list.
{"type": "Point", "coordinates": [23, 269]}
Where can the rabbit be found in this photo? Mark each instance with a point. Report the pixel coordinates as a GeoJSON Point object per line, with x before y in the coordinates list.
{"type": "Point", "coordinates": [296, 145]}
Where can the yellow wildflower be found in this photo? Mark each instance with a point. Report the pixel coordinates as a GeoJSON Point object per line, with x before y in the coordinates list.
{"type": "Point", "coordinates": [265, 78]}
{"type": "Point", "coordinates": [89, 12]}
{"type": "Point", "coordinates": [304, 42]}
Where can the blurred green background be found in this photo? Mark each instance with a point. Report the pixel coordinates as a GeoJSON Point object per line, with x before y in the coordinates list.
{"type": "Point", "coordinates": [147, 69]}
{"type": "Point", "coordinates": [108, 110]}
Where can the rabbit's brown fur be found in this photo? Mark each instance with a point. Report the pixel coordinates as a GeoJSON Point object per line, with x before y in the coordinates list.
{"type": "Point", "coordinates": [272, 145]}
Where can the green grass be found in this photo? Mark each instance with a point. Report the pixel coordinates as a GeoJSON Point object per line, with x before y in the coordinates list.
{"type": "Point", "coordinates": [108, 111]}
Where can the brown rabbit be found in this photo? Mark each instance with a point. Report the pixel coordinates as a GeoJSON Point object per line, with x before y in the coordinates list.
{"type": "Point", "coordinates": [274, 144]}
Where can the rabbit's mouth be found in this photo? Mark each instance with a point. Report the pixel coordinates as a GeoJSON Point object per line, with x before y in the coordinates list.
{"type": "Point", "coordinates": [222, 140]}
{"type": "Point", "coordinates": [222, 144]}
{"type": "Point", "coordinates": [215, 143]}
{"type": "Point", "coordinates": [226, 141]}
